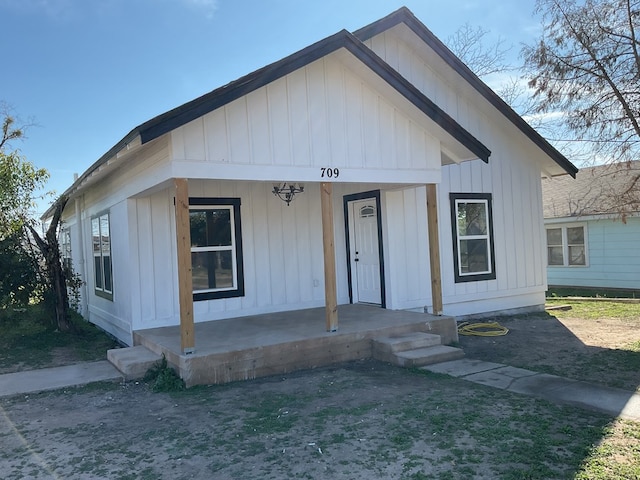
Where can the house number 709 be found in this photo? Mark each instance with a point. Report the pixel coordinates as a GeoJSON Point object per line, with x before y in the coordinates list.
{"type": "Point", "coordinates": [329, 172]}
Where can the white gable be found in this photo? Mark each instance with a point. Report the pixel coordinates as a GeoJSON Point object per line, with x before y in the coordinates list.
{"type": "Point", "coordinates": [414, 59]}
{"type": "Point", "coordinates": [328, 114]}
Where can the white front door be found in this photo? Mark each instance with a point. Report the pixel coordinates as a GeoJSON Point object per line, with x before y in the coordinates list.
{"type": "Point", "coordinates": [365, 252]}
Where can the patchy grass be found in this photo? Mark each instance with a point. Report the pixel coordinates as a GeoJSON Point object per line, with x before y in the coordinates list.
{"type": "Point", "coordinates": [616, 455]}
{"type": "Point", "coordinates": [592, 292]}
{"type": "Point", "coordinates": [357, 420]}
{"type": "Point", "coordinates": [377, 422]}
{"type": "Point", "coordinates": [610, 331]}
{"type": "Point", "coordinates": [597, 310]}
{"type": "Point", "coordinates": [28, 341]}
{"type": "Point", "coordinates": [594, 341]}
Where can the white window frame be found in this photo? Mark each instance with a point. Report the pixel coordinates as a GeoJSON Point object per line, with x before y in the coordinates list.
{"type": "Point", "coordinates": [65, 248]}
{"type": "Point", "coordinates": [102, 290]}
{"type": "Point", "coordinates": [485, 199]}
{"type": "Point", "coordinates": [233, 205]}
{"type": "Point", "coordinates": [565, 244]}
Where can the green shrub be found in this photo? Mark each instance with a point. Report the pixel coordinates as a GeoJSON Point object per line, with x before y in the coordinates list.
{"type": "Point", "coordinates": [18, 276]}
{"type": "Point", "coordinates": [163, 378]}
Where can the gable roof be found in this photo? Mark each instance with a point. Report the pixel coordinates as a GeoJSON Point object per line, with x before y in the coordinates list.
{"type": "Point", "coordinates": [343, 39]}
{"type": "Point", "coordinates": [219, 97]}
{"type": "Point", "coordinates": [602, 190]}
{"type": "Point", "coordinates": [404, 15]}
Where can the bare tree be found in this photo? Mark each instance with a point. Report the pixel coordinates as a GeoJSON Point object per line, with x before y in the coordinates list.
{"type": "Point", "coordinates": [586, 66]}
{"type": "Point", "coordinates": [488, 60]}
{"type": "Point", "coordinates": [54, 272]}
{"type": "Point", "coordinates": [469, 45]}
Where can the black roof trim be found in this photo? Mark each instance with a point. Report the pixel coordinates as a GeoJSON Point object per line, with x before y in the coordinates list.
{"type": "Point", "coordinates": [343, 39]}
{"type": "Point", "coordinates": [415, 96]}
{"type": "Point", "coordinates": [163, 123]}
{"type": "Point", "coordinates": [404, 15]}
{"type": "Point", "coordinates": [208, 102]}
{"type": "Point", "coordinates": [238, 88]}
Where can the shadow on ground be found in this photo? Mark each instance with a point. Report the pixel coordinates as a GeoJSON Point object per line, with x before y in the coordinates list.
{"type": "Point", "coordinates": [543, 343]}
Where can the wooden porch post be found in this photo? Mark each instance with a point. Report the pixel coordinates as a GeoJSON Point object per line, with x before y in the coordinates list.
{"type": "Point", "coordinates": [185, 282]}
{"type": "Point", "coordinates": [330, 289]}
{"type": "Point", "coordinates": [434, 248]}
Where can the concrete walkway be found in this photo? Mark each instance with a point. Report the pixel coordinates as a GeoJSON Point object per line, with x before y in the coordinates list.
{"type": "Point", "coordinates": [613, 401]}
{"type": "Point", "coordinates": [31, 381]}
{"type": "Point", "coordinates": [550, 387]}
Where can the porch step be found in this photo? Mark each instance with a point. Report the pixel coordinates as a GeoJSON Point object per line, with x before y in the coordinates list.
{"type": "Point", "coordinates": [420, 357]}
{"type": "Point", "coordinates": [384, 348]}
{"type": "Point", "coordinates": [133, 362]}
{"type": "Point", "coordinates": [414, 349]}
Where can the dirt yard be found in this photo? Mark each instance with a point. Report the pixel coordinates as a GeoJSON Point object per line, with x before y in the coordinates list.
{"type": "Point", "coordinates": [561, 343]}
{"type": "Point", "coordinates": [361, 420]}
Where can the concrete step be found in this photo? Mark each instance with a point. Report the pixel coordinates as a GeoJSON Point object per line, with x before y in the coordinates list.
{"type": "Point", "coordinates": [133, 362]}
{"type": "Point", "coordinates": [420, 357]}
{"type": "Point", "coordinates": [385, 347]}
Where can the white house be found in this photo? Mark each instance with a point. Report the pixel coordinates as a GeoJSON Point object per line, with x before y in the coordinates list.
{"type": "Point", "coordinates": [391, 138]}
{"type": "Point", "coordinates": [593, 226]}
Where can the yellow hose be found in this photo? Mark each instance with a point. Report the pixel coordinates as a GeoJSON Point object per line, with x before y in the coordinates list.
{"type": "Point", "coordinates": [489, 329]}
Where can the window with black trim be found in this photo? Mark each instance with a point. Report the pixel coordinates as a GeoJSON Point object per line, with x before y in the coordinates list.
{"type": "Point", "coordinates": [566, 246]}
{"type": "Point", "coordinates": [101, 239]}
{"type": "Point", "coordinates": [216, 248]}
{"type": "Point", "coordinates": [472, 227]}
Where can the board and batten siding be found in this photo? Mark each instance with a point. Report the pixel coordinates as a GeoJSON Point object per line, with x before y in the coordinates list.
{"type": "Point", "coordinates": [512, 176]}
{"type": "Point", "coordinates": [326, 114]}
{"type": "Point", "coordinates": [517, 230]}
{"type": "Point", "coordinates": [406, 248]}
{"type": "Point", "coordinates": [282, 251]}
{"type": "Point", "coordinates": [322, 115]}
{"type": "Point", "coordinates": [282, 254]}
{"type": "Point", "coordinates": [111, 315]}
{"type": "Point", "coordinates": [613, 256]}
{"type": "Point", "coordinates": [145, 167]}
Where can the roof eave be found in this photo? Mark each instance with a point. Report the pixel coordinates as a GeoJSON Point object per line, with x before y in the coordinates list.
{"type": "Point", "coordinates": [168, 121]}
{"type": "Point", "coordinates": [259, 78]}
{"type": "Point", "coordinates": [404, 15]}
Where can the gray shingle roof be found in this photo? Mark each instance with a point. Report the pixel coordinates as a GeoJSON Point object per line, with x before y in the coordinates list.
{"type": "Point", "coordinates": [604, 189]}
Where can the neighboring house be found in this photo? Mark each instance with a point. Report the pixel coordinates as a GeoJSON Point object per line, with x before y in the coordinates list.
{"type": "Point", "coordinates": [593, 228]}
{"type": "Point", "coordinates": [178, 222]}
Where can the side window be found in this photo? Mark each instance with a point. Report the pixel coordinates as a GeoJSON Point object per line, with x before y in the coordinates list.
{"type": "Point", "coordinates": [101, 238]}
{"type": "Point", "coordinates": [216, 248]}
{"type": "Point", "coordinates": [472, 228]}
{"type": "Point", "coordinates": [65, 249]}
{"type": "Point", "coordinates": [566, 246]}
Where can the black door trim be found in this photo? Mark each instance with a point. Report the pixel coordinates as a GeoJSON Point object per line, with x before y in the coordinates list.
{"type": "Point", "coordinates": [375, 194]}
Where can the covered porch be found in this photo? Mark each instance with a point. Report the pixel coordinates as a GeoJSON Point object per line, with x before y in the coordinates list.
{"type": "Point", "coordinates": [187, 332]}
{"type": "Point", "coordinates": [277, 343]}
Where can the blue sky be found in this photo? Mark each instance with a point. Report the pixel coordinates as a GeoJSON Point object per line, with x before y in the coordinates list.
{"type": "Point", "coordinates": [86, 72]}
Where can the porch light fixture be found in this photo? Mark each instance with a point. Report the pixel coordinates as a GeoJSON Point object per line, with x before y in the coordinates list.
{"type": "Point", "coordinates": [286, 191]}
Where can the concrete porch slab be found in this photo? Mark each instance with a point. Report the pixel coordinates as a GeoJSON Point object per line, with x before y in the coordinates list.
{"type": "Point", "coordinates": [277, 343]}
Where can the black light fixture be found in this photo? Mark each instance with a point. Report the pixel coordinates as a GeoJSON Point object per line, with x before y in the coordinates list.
{"type": "Point", "coordinates": [286, 191]}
